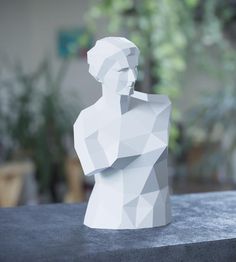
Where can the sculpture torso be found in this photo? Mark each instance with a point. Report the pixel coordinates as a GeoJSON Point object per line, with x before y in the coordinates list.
{"type": "Point", "coordinates": [128, 155]}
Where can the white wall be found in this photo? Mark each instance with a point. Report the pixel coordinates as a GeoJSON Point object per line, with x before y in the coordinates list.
{"type": "Point", "coordinates": [28, 31]}
{"type": "Point", "coordinates": [15, 29]}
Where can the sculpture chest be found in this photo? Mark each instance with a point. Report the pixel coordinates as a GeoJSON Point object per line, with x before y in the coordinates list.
{"type": "Point", "coordinates": [127, 133]}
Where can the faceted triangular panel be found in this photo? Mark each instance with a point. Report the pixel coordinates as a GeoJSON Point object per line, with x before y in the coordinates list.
{"type": "Point", "coordinates": [151, 197]}
{"type": "Point", "coordinates": [137, 143]}
{"type": "Point", "coordinates": [161, 172]}
{"type": "Point", "coordinates": [159, 214]}
{"type": "Point", "coordinates": [126, 222]}
{"type": "Point", "coordinates": [130, 209]}
{"type": "Point", "coordinates": [123, 162]}
{"type": "Point", "coordinates": [126, 150]}
{"type": "Point", "coordinates": [145, 221]}
{"type": "Point", "coordinates": [153, 143]}
{"type": "Point", "coordinates": [162, 122]}
{"type": "Point", "coordinates": [144, 211]}
{"type": "Point", "coordinates": [137, 176]}
{"type": "Point", "coordinates": [162, 135]}
{"type": "Point", "coordinates": [151, 184]}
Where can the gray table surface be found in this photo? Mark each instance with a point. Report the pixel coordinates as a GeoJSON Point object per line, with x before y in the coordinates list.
{"type": "Point", "coordinates": [203, 229]}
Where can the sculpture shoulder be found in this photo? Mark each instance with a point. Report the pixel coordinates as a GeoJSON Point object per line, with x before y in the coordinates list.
{"type": "Point", "coordinates": [90, 111]}
{"type": "Point", "coordinates": [154, 100]}
{"type": "Point", "coordinates": [88, 115]}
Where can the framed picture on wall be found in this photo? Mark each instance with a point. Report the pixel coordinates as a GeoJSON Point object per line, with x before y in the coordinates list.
{"type": "Point", "coordinates": [74, 42]}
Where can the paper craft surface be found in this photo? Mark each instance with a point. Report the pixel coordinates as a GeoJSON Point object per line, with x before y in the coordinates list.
{"type": "Point", "coordinates": [122, 140]}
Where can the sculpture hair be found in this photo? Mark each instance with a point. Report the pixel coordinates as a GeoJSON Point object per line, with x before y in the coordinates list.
{"type": "Point", "coordinates": [106, 52]}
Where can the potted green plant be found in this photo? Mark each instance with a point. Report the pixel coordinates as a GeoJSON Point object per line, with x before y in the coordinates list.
{"type": "Point", "coordinates": [37, 116]}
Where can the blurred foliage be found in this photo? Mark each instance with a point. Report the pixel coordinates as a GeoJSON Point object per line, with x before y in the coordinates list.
{"type": "Point", "coordinates": [213, 120]}
{"type": "Point", "coordinates": [162, 30]}
{"type": "Point", "coordinates": [167, 32]}
{"type": "Point", "coordinates": [36, 117]}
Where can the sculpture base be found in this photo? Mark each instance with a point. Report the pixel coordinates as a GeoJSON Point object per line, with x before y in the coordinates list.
{"type": "Point", "coordinates": [96, 226]}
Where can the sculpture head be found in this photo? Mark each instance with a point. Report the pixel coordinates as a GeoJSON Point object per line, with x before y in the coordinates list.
{"type": "Point", "coordinates": [113, 62]}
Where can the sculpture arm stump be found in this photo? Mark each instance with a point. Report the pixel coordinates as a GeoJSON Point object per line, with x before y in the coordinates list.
{"type": "Point", "coordinates": [87, 146]}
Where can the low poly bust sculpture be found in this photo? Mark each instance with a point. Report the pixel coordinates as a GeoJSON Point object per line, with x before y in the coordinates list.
{"type": "Point", "coordinates": [122, 140]}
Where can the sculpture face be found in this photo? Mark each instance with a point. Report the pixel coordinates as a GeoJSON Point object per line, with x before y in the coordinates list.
{"type": "Point", "coordinates": [113, 62]}
{"type": "Point", "coordinates": [121, 79]}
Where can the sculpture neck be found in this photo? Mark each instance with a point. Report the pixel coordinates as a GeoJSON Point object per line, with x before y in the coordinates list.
{"type": "Point", "coordinates": [116, 102]}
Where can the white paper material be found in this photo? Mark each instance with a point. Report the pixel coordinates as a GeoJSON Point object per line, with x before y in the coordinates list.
{"type": "Point", "coordinates": [122, 140]}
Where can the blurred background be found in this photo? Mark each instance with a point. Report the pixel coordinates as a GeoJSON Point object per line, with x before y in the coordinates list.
{"type": "Point", "coordinates": [188, 51]}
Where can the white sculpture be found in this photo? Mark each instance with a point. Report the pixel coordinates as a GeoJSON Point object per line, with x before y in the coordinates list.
{"type": "Point", "coordinates": [122, 139]}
